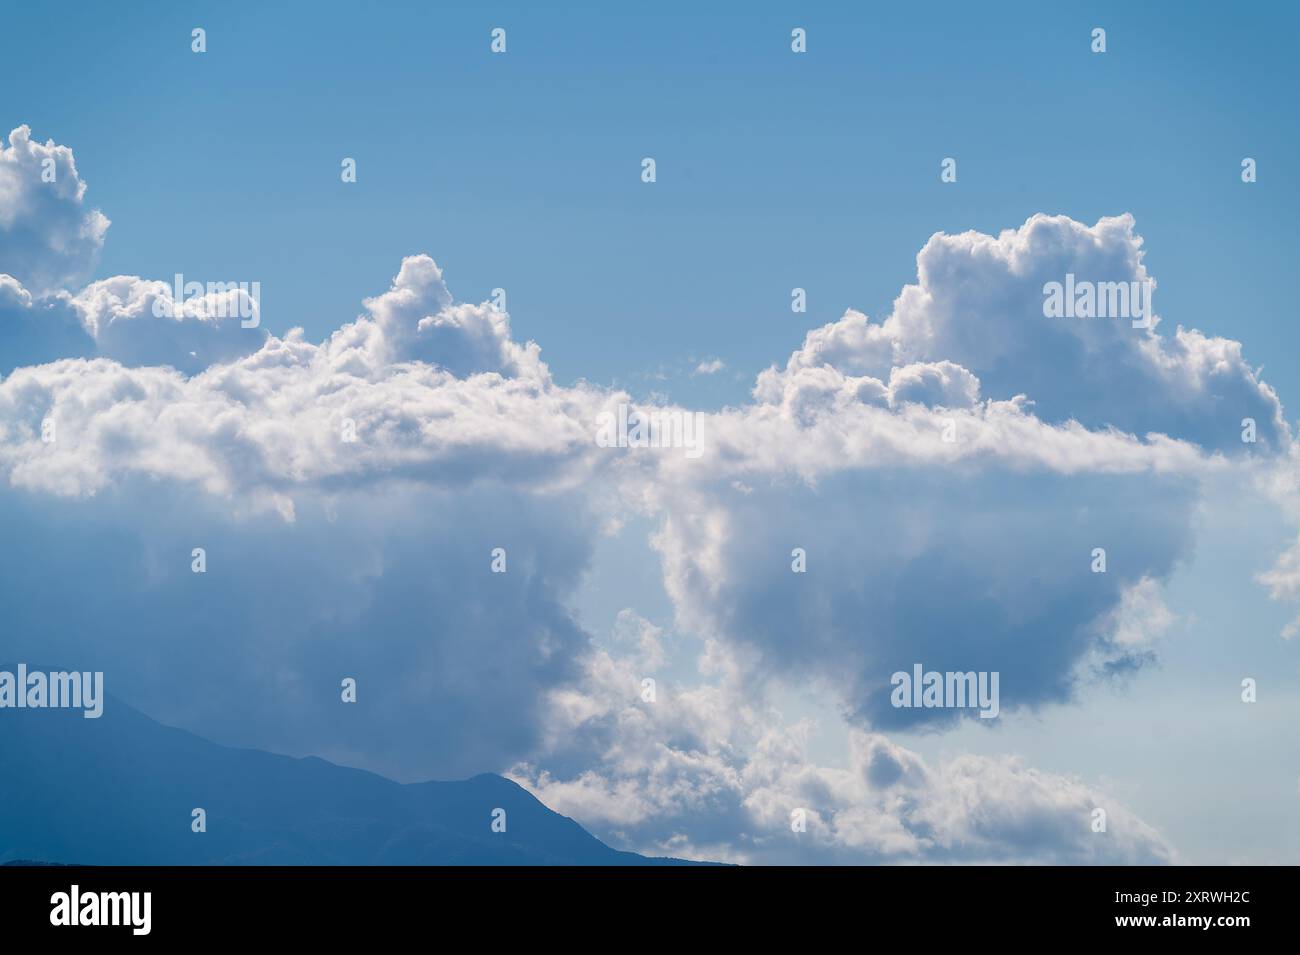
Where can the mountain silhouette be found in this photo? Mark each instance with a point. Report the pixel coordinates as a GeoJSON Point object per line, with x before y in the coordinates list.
{"type": "Point", "coordinates": [121, 790]}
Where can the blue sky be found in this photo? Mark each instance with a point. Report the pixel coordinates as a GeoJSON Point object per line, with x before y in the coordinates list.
{"type": "Point", "coordinates": [522, 171]}
{"type": "Point", "coordinates": [774, 171]}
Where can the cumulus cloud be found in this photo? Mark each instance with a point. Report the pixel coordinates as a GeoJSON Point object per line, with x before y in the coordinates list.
{"type": "Point", "coordinates": [975, 569]}
{"type": "Point", "coordinates": [140, 323]}
{"type": "Point", "coordinates": [391, 587]}
{"type": "Point", "coordinates": [136, 323]}
{"type": "Point", "coordinates": [713, 771]}
{"type": "Point", "coordinates": [48, 238]}
{"type": "Point", "coordinates": [935, 384]}
{"type": "Point", "coordinates": [288, 416]}
{"type": "Point", "coordinates": [949, 481]}
{"type": "Point", "coordinates": [949, 473]}
{"type": "Point", "coordinates": [348, 496]}
{"type": "Point", "coordinates": [979, 303]}
{"type": "Point", "coordinates": [48, 242]}
{"type": "Point", "coordinates": [415, 320]}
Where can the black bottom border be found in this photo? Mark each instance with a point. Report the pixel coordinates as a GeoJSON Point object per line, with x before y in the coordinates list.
{"type": "Point", "coordinates": [976, 903]}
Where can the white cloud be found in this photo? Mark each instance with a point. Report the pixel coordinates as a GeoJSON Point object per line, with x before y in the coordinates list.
{"type": "Point", "coordinates": [939, 384]}
{"type": "Point", "coordinates": [978, 303]}
{"type": "Point", "coordinates": [712, 771]}
{"type": "Point", "coordinates": [138, 323]}
{"type": "Point", "coordinates": [1142, 616]}
{"type": "Point", "coordinates": [415, 320]}
{"type": "Point", "coordinates": [48, 238]}
{"type": "Point", "coordinates": [970, 553]}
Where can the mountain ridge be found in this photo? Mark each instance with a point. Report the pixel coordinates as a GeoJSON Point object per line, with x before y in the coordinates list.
{"type": "Point", "coordinates": [121, 790]}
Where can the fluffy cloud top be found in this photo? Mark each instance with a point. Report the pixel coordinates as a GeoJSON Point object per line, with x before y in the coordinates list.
{"type": "Point", "coordinates": [978, 304]}
{"type": "Point", "coordinates": [134, 322]}
{"type": "Point", "coordinates": [48, 239]}
{"type": "Point", "coordinates": [415, 320]}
